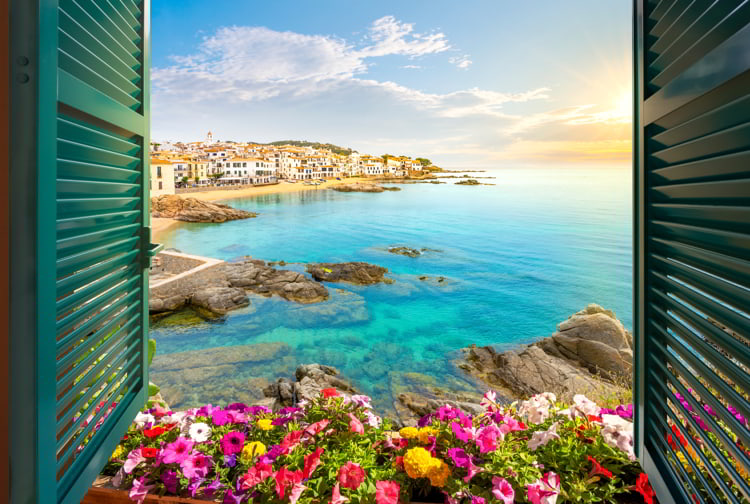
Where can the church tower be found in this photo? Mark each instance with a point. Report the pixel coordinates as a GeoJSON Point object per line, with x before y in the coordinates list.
{"type": "Point", "coordinates": [209, 138]}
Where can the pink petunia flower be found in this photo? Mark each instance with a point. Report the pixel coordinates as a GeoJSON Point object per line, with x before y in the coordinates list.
{"type": "Point", "coordinates": [177, 451]}
{"type": "Point", "coordinates": [488, 437]}
{"type": "Point", "coordinates": [502, 490]}
{"type": "Point", "coordinates": [134, 458]}
{"type": "Point", "coordinates": [337, 498]}
{"type": "Point", "coordinates": [544, 490]}
{"type": "Point", "coordinates": [286, 478]}
{"type": "Point", "coordinates": [196, 466]}
{"type": "Point", "coordinates": [461, 433]}
{"type": "Point", "coordinates": [351, 475]}
{"type": "Point", "coordinates": [170, 480]}
{"type": "Point", "coordinates": [387, 492]}
{"type": "Point", "coordinates": [232, 443]}
{"type": "Point", "coordinates": [316, 427]}
{"type": "Point", "coordinates": [259, 472]}
{"type": "Point", "coordinates": [355, 425]}
{"type": "Point", "coordinates": [219, 417]}
{"type": "Point", "coordinates": [296, 492]}
{"type": "Point", "coordinates": [139, 490]}
{"type": "Point", "coordinates": [291, 441]}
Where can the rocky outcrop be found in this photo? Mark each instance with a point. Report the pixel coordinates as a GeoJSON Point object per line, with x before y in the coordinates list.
{"type": "Point", "coordinates": [362, 187]}
{"type": "Point", "coordinates": [195, 210]}
{"type": "Point", "coordinates": [310, 380]}
{"type": "Point", "coordinates": [256, 276]}
{"type": "Point", "coordinates": [590, 352]}
{"type": "Point", "coordinates": [223, 288]}
{"type": "Point", "coordinates": [359, 273]}
{"type": "Point", "coordinates": [468, 182]}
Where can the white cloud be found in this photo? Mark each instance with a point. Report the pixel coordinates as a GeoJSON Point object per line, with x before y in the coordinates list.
{"type": "Point", "coordinates": [388, 35]}
{"type": "Point", "coordinates": [413, 67]}
{"type": "Point", "coordinates": [462, 62]}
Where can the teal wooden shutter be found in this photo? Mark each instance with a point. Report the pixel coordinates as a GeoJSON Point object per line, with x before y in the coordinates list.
{"type": "Point", "coordinates": [79, 340]}
{"type": "Point", "coordinates": [692, 247]}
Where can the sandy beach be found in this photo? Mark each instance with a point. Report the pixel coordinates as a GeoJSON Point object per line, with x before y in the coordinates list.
{"type": "Point", "coordinates": [159, 224]}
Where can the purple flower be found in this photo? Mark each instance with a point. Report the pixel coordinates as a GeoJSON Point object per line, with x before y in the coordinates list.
{"type": "Point", "coordinates": [211, 488]}
{"type": "Point", "coordinates": [230, 460]}
{"type": "Point", "coordinates": [736, 413]}
{"type": "Point", "coordinates": [170, 480]}
{"type": "Point", "coordinates": [709, 410]}
{"type": "Point", "coordinates": [236, 417]}
{"type": "Point", "coordinates": [238, 406]}
{"type": "Point", "coordinates": [177, 451]}
{"type": "Point", "coordinates": [487, 438]}
{"type": "Point", "coordinates": [460, 457]}
{"type": "Point", "coordinates": [231, 498]}
{"type": "Point", "coordinates": [204, 411]}
{"type": "Point", "coordinates": [254, 410]}
{"type": "Point", "coordinates": [426, 420]}
{"type": "Point", "coordinates": [195, 485]}
{"type": "Point", "coordinates": [447, 413]}
{"type": "Point", "coordinates": [273, 452]}
{"type": "Point", "coordinates": [220, 417]}
{"type": "Point", "coordinates": [281, 420]}
{"type": "Point", "coordinates": [477, 500]}
{"type": "Point", "coordinates": [625, 411]}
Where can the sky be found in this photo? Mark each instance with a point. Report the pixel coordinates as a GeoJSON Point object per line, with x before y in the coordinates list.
{"type": "Point", "coordinates": [470, 84]}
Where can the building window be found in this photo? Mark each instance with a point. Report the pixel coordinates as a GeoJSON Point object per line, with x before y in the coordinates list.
{"type": "Point", "coordinates": [160, 185]}
{"type": "Point", "coordinates": [158, 171]}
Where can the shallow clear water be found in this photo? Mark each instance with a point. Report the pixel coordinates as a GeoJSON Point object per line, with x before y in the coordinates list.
{"type": "Point", "coordinates": [517, 258]}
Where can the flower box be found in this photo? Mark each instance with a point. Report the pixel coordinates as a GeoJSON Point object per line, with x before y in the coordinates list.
{"type": "Point", "coordinates": [102, 492]}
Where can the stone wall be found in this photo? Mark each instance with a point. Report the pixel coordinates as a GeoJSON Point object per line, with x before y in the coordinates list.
{"type": "Point", "coordinates": [175, 264]}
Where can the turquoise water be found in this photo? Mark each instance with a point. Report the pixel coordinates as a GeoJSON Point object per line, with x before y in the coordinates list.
{"type": "Point", "coordinates": [517, 258]}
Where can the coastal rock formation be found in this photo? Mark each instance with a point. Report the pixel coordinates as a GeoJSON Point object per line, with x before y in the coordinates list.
{"type": "Point", "coordinates": [222, 288]}
{"type": "Point", "coordinates": [195, 210]}
{"type": "Point", "coordinates": [256, 276]}
{"type": "Point", "coordinates": [362, 187]}
{"type": "Point", "coordinates": [468, 182]}
{"type": "Point", "coordinates": [590, 352]}
{"type": "Point", "coordinates": [410, 252]}
{"type": "Point", "coordinates": [311, 379]}
{"type": "Point", "coordinates": [220, 300]}
{"type": "Point", "coordinates": [359, 273]}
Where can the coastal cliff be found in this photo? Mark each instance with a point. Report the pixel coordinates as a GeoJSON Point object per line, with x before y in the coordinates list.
{"type": "Point", "coordinates": [195, 210]}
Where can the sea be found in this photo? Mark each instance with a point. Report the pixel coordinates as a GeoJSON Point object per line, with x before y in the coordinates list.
{"type": "Point", "coordinates": [504, 264]}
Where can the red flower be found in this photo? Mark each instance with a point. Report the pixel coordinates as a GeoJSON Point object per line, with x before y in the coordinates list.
{"type": "Point", "coordinates": [329, 392]}
{"type": "Point", "coordinates": [399, 462]}
{"type": "Point", "coordinates": [154, 433]}
{"type": "Point", "coordinates": [643, 487]}
{"type": "Point", "coordinates": [125, 437]}
{"type": "Point", "coordinates": [387, 492]}
{"type": "Point", "coordinates": [597, 469]}
{"type": "Point", "coordinates": [149, 452]}
{"type": "Point", "coordinates": [671, 442]}
{"type": "Point", "coordinates": [169, 427]}
{"type": "Point", "coordinates": [594, 418]}
{"type": "Point", "coordinates": [291, 441]}
{"type": "Point", "coordinates": [286, 478]}
{"type": "Point", "coordinates": [311, 462]}
{"type": "Point", "coordinates": [679, 435]}
{"type": "Point", "coordinates": [351, 475]}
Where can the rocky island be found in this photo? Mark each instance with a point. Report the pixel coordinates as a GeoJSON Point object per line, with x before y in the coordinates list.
{"type": "Point", "coordinates": [194, 210]}
{"type": "Point", "coordinates": [358, 273]}
{"type": "Point", "coordinates": [362, 187]}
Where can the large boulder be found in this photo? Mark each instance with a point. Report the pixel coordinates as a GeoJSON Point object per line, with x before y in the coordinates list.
{"type": "Point", "coordinates": [195, 210]}
{"type": "Point", "coordinates": [359, 273]}
{"type": "Point", "coordinates": [310, 380]}
{"type": "Point", "coordinates": [589, 354]}
{"type": "Point", "coordinates": [220, 300]}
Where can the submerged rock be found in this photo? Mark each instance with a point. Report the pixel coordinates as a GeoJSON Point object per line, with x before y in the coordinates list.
{"type": "Point", "coordinates": [468, 182]}
{"type": "Point", "coordinates": [362, 187]}
{"type": "Point", "coordinates": [405, 251]}
{"type": "Point", "coordinates": [589, 354]}
{"type": "Point", "coordinates": [195, 210]}
{"type": "Point", "coordinates": [358, 273]}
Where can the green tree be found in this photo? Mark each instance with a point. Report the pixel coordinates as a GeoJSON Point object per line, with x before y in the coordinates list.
{"type": "Point", "coordinates": [424, 161]}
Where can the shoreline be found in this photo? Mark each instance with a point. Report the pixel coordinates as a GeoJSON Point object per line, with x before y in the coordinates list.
{"type": "Point", "coordinates": [160, 225]}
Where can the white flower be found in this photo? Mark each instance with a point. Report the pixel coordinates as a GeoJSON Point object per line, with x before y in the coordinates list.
{"type": "Point", "coordinates": [536, 409]}
{"type": "Point", "coordinates": [541, 438]}
{"type": "Point", "coordinates": [141, 419]}
{"type": "Point", "coordinates": [372, 419]}
{"type": "Point", "coordinates": [489, 402]}
{"type": "Point", "coordinates": [584, 406]}
{"type": "Point", "coordinates": [618, 433]}
{"type": "Point", "coordinates": [363, 401]}
{"type": "Point", "coordinates": [199, 432]}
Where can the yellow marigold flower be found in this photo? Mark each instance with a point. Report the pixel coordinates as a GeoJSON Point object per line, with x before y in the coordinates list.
{"type": "Point", "coordinates": [424, 433]}
{"type": "Point", "coordinates": [409, 432]}
{"type": "Point", "coordinates": [119, 451]}
{"type": "Point", "coordinates": [684, 462]}
{"type": "Point", "coordinates": [251, 450]}
{"type": "Point", "coordinates": [439, 474]}
{"type": "Point", "coordinates": [418, 463]}
{"type": "Point", "coordinates": [264, 424]}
